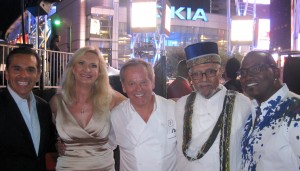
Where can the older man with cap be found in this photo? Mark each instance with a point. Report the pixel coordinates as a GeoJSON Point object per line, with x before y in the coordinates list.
{"type": "Point", "coordinates": [210, 120]}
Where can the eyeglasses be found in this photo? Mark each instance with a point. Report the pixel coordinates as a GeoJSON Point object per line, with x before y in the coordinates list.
{"type": "Point", "coordinates": [252, 70]}
{"type": "Point", "coordinates": [199, 75]}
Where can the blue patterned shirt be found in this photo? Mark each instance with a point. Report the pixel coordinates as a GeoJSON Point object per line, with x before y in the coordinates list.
{"type": "Point", "coordinates": [271, 138]}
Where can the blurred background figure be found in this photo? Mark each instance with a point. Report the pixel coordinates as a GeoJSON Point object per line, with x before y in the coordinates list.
{"type": "Point", "coordinates": [114, 79]}
{"type": "Point", "coordinates": [54, 43]}
{"type": "Point", "coordinates": [230, 76]}
{"type": "Point", "coordinates": [55, 69]}
{"type": "Point", "coordinates": [181, 85]}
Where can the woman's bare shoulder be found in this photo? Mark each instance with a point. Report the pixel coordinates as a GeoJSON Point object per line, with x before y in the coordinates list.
{"type": "Point", "coordinates": [117, 98]}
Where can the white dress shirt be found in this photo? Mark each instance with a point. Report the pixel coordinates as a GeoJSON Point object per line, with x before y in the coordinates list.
{"type": "Point", "coordinates": [30, 116]}
{"type": "Point", "coordinates": [145, 146]}
{"type": "Point", "coordinates": [274, 143]}
{"type": "Point", "coordinates": [205, 115]}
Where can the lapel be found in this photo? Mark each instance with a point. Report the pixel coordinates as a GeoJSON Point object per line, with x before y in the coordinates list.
{"type": "Point", "coordinates": [140, 131]}
{"type": "Point", "coordinates": [136, 127]}
{"type": "Point", "coordinates": [40, 112]}
{"type": "Point", "coordinates": [47, 129]}
{"type": "Point", "coordinates": [14, 113]}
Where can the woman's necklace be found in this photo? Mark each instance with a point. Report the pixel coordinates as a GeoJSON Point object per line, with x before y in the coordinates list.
{"type": "Point", "coordinates": [82, 112]}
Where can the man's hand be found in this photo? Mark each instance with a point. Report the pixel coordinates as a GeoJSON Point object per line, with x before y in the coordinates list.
{"type": "Point", "coordinates": [60, 146]}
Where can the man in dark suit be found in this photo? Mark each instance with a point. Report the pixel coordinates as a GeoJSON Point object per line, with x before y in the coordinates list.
{"type": "Point", "coordinates": [55, 61]}
{"type": "Point", "coordinates": [181, 85]}
{"type": "Point", "coordinates": [26, 127]}
{"type": "Point", "coordinates": [230, 76]}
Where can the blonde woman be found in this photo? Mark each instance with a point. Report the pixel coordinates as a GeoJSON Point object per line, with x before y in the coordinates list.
{"type": "Point", "coordinates": [81, 112]}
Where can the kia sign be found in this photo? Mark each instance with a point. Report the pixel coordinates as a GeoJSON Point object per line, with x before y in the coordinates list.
{"type": "Point", "coordinates": [184, 13]}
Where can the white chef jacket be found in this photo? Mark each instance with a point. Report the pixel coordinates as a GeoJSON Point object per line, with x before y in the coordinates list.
{"type": "Point", "coordinates": [272, 144]}
{"type": "Point", "coordinates": [145, 146]}
{"type": "Point", "coordinates": [205, 115]}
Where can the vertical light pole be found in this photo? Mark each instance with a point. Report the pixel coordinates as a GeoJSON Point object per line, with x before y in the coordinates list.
{"type": "Point", "coordinates": [70, 38]}
{"type": "Point", "coordinates": [23, 24]}
{"type": "Point", "coordinates": [228, 27]}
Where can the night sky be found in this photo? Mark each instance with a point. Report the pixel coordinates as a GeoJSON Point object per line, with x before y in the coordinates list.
{"type": "Point", "coordinates": [194, 4]}
{"type": "Point", "coordinates": [10, 10]}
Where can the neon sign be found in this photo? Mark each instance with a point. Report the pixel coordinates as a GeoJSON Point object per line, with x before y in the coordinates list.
{"type": "Point", "coordinates": [189, 15]}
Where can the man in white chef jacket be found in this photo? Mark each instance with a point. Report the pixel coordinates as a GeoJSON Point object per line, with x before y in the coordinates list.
{"type": "Point", "coordinates": [144, 125]}
{"type": "Point", "coordinates": [210, 120]}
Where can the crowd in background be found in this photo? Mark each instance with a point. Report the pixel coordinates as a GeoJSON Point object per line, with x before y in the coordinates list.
{"type": "Point", "coordinates": [249, 122]}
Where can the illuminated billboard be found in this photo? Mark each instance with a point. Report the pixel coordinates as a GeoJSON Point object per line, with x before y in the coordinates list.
{"type": "Point", "coordinates": [95, 26]}
{"type": "Point", "coordinates": [242, 30]}
{"type": "Point", "coordinates": [263, 34]}
{"type": "Point", "coordinates": [143, 16]}
{"type": "Point", "coordinates": [166, 20]}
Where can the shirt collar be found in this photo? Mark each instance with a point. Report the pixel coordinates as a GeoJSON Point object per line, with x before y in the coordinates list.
{"type": "Point", "coordinates": [154, 107]}
{"type": "Point", "coordinates": [17, 98]}
{"type": "Point", "coordinates": [221, 90]}
{"type": "Point", "coordinates": [282, 93]}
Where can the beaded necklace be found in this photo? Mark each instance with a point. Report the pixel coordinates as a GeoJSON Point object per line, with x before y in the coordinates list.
{"type": "Point", "coordinates": [223, 124]}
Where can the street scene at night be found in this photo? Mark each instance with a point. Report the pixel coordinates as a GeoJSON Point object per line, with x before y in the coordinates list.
{"type": "Point", "coordinates": [149, 85]}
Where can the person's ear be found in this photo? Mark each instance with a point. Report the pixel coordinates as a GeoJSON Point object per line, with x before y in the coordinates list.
{"type": "Point", "coordinates": [276, 72]}
{"type": "Point", "coordinates": [123, 88]}
{"type": "Point", "coordinates": [38, 76]}
{"type": "Point", "coordinates": [222, 70]}
{"type": "Point", "coordinates": [153, 83]}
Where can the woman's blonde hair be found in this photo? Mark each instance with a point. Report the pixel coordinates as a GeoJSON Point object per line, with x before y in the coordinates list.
{"type": "Point", "coordinates": [101, 92]}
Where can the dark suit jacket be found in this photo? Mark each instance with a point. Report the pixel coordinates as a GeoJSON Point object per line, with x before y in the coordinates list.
{"type": "Point", "coordinates": [17, 151]}
{"type": "Point", "coordinates": [178, 88]}
{"type": "Point", "coordinates": [234, 85]}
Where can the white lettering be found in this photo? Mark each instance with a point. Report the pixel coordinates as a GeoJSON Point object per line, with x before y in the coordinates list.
{"type": "Point", "coordinates": [189, 13]}
{"type": "Point", "coordinates": [177, 12]}
{"type": "Point", "coordinates": [199, 14]}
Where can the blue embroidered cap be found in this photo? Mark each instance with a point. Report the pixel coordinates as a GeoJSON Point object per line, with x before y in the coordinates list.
{"type": "Point", "coordinates": [201, 53]}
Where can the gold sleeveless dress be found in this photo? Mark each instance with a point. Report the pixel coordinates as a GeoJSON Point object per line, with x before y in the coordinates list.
{"type": "Point", "coordinates": [86, 148]}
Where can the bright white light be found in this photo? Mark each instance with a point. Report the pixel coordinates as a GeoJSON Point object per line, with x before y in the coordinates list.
{"type": "Point", "coordinates": [275, 56]}
{"type": "Point", "coordinates": [95, 26]}
{"type": "Point", "coordinates": [279, 59]}
{"type": "Point", "coordinates": [143, 15]}
{"type": "Point", "coordinates": [263, 37]}
{"type": "Point", "coordinates": [168, 19]}
{"type": "Point", "coordinates": [242, 30]}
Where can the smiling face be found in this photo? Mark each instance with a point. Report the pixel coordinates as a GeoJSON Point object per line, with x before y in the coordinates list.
{"type": "Point", "coordinates": [22, 74]}
{"type": "Point", "coordinates": [259, 82]}
{"type": "Point", "coordinates": [208, 84]}
{"type": "Point", "coordinates": [86, 69]}
{"type": "Point", "coordinates": [137, 85]}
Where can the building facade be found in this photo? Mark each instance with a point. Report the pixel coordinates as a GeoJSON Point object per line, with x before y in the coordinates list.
{"type": "Point", "coordinates": [105, 24]}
